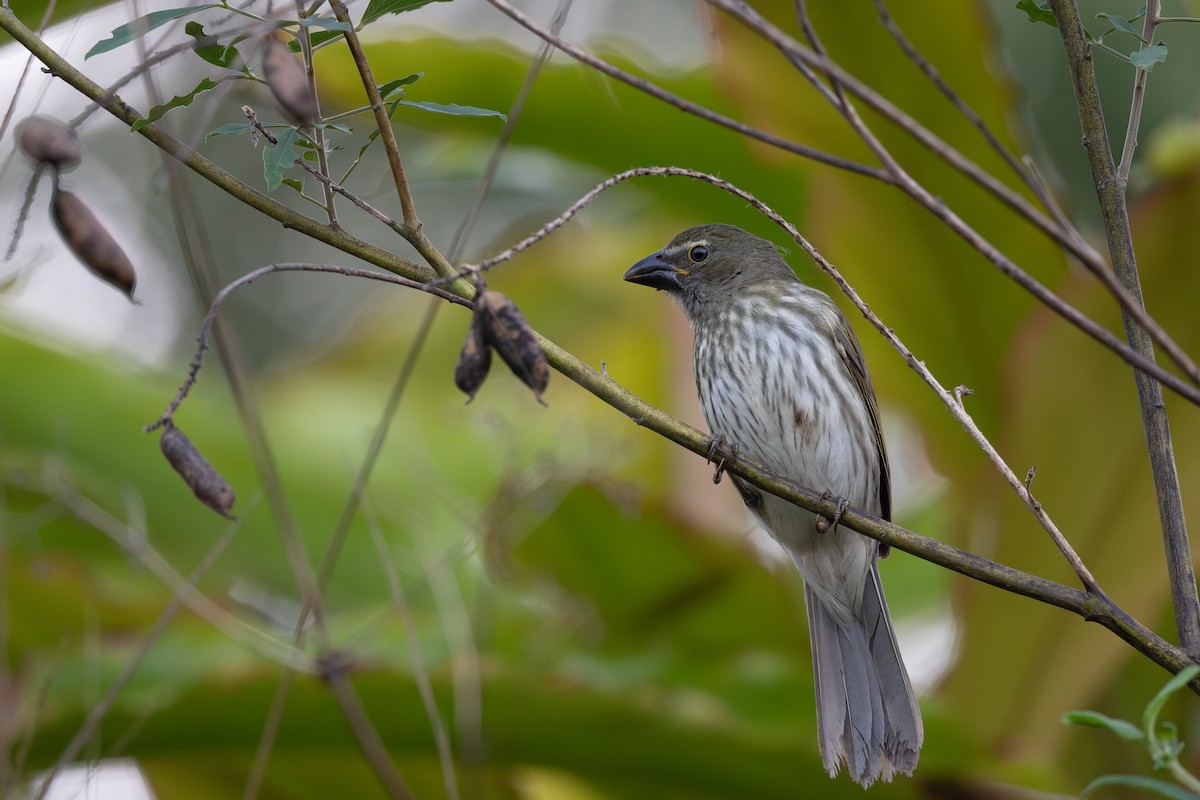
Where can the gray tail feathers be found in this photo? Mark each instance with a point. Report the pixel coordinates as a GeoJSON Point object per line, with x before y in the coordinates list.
{"type": "Point", "coordinates": [867, 715]}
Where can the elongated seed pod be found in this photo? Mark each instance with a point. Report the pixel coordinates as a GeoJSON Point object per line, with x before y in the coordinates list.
{"type": "Point", "coordinates": [288, 82]}
{"type": "Point", "coordinates": [201, 477]}
{"type": "Point", "coordinates": [505, 328]}
{"type": "Point", "coordinates": [474, 361]}
{"type": "Point", "coordinates": [91, 242]}
{"type": "Point", "coordinates": [48, 142]}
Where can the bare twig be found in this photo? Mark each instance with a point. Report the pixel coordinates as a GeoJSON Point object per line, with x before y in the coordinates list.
{"type": "Point", "coordinates": [386, 135]}
{"type": "Point", "coordinates": [1111, 193]}
{"type": "Point", "coordinates": [1140, 76]}
{"type": "Point", "coordinates": [681, 103]}
{"type": "Point", "coordinates": [250, 277]}
{"type": "Point", "coordinates": [318, 132]}
{"type": "Point", "coordinates": [1073, 243]}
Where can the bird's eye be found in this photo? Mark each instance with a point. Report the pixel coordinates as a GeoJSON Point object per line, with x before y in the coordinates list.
{"type": "Point", "coordinates": [697, 253]}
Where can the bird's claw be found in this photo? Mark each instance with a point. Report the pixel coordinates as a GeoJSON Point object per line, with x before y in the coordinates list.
{"type": "Point", "coordinates": [824, 524]}
{"type": "Point", "coordinates": [715, 444]}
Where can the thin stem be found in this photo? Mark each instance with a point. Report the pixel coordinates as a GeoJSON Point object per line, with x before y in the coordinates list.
{"type": "Point", "coordinates": [1111, 193]}
{"type": "Point", "coordinates": [1140, 76]}
{"type": "Point", "coordinates": [386, 134]}
{"type": "Point", "coordinates": [318, 131]}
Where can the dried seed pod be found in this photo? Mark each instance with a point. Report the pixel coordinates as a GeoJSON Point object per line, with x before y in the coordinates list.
{"type": "Point", "coordinates": [91, 242]}
{"type": "Point", "coordinates": [205, 482]}
{"type": "Point", "coordinates": [288, 82]}
{"type": "Point", "coordinates": [474, 361]}
{"type": "Point", "coordinates": [48, 142]}
{"type": "Point", "coordinates": [505, 328]}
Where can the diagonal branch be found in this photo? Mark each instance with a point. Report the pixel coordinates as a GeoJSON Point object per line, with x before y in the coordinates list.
{"type": "Point", "coordinates": [1110, 191]}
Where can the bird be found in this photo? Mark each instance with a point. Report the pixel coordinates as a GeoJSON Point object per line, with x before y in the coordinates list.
{"type": "Point", "coordinates": [782, 379]}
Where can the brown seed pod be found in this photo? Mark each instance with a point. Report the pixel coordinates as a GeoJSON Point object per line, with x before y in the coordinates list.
{"type": "Point", "coordinates": [48, 142]}
{"type": "Point", "coordinates": [505, 328]}
{"type": "Point", "coordinates": [288, 82]}
{"type": "Point", "coordinates": [205, 482]}
{"type": "Point", "coordinates": [474, 361]}
{"type": "Point", "coordinates": [91, 242]}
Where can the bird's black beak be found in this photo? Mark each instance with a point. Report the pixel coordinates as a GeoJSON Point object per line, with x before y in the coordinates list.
{"type": "Point", "coordinates": [653, 271]}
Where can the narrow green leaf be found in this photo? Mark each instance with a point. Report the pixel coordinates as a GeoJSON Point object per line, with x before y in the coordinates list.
{"type": "Point", "coordinates": [156, 113]}
{"type": "Point", "coordinates": [1146, 784]}
{"type": "Point", "coordinates": [278, 158]}
{"type": "Point", "coordinates": [1038, 12]}
{"type": "Point", "coordinates": [328, 23]}
{"type": "Point", "coordinates": [1120, 23]}
{"type": "Point", "coordinates": [298, 185]}
{"type": "Point", "coordinates": [1147, 57]}
{"type": "Point", "coordinates": [1183, 678]}
{"type": "Point", "coordinates": [209, 48]}
{"type": "Point", "coordinates": [452, 108]}
{"type": "Point", "coordinates": [337, 126]}
{"type": "Point", "coordinates": [378, 8]}
{"type": "Point", "coordinates": [391, 86]}
{"type": "Point", "coordinates": [315, 38]}
{"type": "Point", "coordinates": [1094, 719]}
{"type": "Point", "coordinates": [141, 26]}
{"type": "Point", "coordinates": [232, 129]}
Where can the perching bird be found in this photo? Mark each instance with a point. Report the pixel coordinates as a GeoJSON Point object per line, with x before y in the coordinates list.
{"type": "Point", "coordinates": [781, 377]}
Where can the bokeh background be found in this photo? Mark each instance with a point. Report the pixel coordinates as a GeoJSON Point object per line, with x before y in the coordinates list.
{"type": "Point", "coordinates": [596, 618]}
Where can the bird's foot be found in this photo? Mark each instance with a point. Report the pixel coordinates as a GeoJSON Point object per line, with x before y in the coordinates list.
{"type": "Point", "coordinates": [823, 524]}
{"type": "Point", "coordinates": [715, 444]}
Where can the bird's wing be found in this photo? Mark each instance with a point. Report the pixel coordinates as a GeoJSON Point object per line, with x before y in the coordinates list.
{"type": "Point", "coordinates": [852, 357]}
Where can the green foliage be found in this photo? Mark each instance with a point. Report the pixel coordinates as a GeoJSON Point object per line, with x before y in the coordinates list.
{"type": "Point", "coordinates": [211, 50]}
{"type": "Point", "coordinates": [1147, 57]}
{"type": "Point", "coordinates": [379, 8]}
{"type": "Point", "coordinates": [1037, 12]}
{"type": "Point", "coordinates": [139, 27]}
{"type": "Point", "coordinates": [1161, 741]}
{"type": "Point", "coordinates": [277, 159]}
{"type": "Point", "coordinates": [179, 101]}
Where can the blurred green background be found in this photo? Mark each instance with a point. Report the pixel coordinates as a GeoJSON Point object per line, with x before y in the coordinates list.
{"type": "Point", "coordinates": [596, 618]}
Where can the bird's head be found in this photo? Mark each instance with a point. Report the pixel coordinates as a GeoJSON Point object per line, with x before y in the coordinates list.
{"type": "Point", "coordinates": [711, 263]}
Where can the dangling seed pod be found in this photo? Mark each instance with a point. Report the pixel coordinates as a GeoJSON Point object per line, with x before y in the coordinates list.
{"type": "Point", "coordinates": [505, 328]}
{"type": "Point", "coordinates": [205, 482]}
{"type": "Point", "coordinates": [91, 242]}
{"type": "Point", "coordinates": [474, 361]}
{"type": "Point", "coordinates": [47, 142]}
{"type": "Point", "coordinates": [288, 82]}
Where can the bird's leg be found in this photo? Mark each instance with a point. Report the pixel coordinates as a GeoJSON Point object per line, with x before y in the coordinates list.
{"type": "Point", "coordinates": [824, 524]}
{"type": "Point", "coordinates": [715, 444]}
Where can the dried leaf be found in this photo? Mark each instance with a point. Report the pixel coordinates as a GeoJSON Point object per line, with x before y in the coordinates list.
{"type": "Point", "coordinates": [91, 242]}
{"type": "Point", "coordinates": [474, 361]}
{"type": "Point", "coordinates": [505, 328]}
{"type": "Point", "coordinates": [203, 479]}
{"type": "Point", "coordinates": [48, 142]}
{"type": "Point", "coordinates": [288, 82]}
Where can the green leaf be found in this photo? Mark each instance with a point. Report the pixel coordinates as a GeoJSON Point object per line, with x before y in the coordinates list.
{"type": "Point", "coordinates": [278, 158]}
{"type": "Point", "coordinates": [328, 23]}
{"type": "Point", "coordinates": [298, 185]}
{"type": "Point", "coordinates": [232, 129]}
{"type": "Point", "coordinates": [1094, 719]}
{"type": "Point", "coordinates": [1183, 678]}
{"type": "Point", "coordinates": [1038, 12]}
{"type": "Point", "coordinates": [1146, 784]}
{"type": "Point", "coordinates": [315, 39]}
{"type": "Point", "coordinates": [452, 108]}
{"type": "Point", "coordinates": [209, 48]}
{"type": "Point", "coordinates": [1120, 23]}
{"type": "Point", "coordinates": [391, 86]}
{"type": "Point", "coordinates": [1147, 57]}
{"type": "Point", "coordinates": [156, 113]}
{"type": "Point", "coordinates": [141, 26]}
{"type": "Point", "coordinates": [378, 8]}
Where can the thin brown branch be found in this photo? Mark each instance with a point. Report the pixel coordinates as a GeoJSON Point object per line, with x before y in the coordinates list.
{"type": "Point", "coordinates": [903, 181]}
{"type": "Point", "coordinates": [386, 135]}
{"type": "Point", "coordinates": [1110, 191]}
{"type": "Point", "coordinates": [1140, 76]}
{"type": "Point", "coordinates": [250, 277]}
{"type": "Point", "coordinates": [682, 103]}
